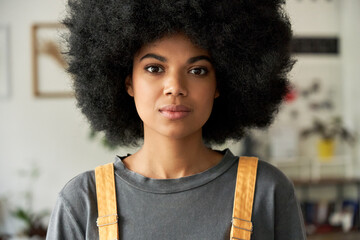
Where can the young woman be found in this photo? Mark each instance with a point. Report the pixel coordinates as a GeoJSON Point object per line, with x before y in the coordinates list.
{"type": "Point", "coordinates": [175, 77]}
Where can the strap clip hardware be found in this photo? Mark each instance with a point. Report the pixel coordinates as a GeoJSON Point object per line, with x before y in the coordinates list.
{"type": "Point", "coordinates": [102, 222]}
{"type": "Point", "coordinates": [246, 229]}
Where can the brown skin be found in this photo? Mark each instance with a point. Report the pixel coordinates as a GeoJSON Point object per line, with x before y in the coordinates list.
{"type": "Point", "coordinates": [172, 71]}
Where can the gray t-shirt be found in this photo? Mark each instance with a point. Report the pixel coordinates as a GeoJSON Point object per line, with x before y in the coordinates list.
{"type": "Point", "coordinates": [193, 207]}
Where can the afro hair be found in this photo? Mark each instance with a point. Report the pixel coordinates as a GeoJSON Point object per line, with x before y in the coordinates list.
{"type": "Point", "coordinates": [248, 40]}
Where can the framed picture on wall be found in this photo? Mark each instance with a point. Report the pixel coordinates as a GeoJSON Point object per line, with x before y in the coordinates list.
{"type": "Point", "coordinates": [50, 79]}
{"type": "Point", "coordinates": [4, 62]}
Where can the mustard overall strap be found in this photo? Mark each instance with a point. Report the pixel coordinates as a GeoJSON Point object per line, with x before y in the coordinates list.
{"type": "Point", "coordinates": [242, 226]}
{"type": "Point", "coordinates": [106, 198]}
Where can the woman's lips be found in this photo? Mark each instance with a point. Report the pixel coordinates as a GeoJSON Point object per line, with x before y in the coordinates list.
{"type": "Point", "coordinates": [174, 112]}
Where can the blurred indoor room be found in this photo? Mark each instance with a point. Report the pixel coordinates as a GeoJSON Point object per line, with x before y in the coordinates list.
{"type": "Point", "coordinates": [314, 139]}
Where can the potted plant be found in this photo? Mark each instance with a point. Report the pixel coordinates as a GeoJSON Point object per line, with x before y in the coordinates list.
{"type": "Point", "coordinates": [328, 132]}
{"type": "Point", "coordinates": [34, 227]}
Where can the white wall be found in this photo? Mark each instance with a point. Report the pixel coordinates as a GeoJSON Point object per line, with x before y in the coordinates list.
{"type": "Point", "coordinates": [350, 32]}
{"type": "Point", "coordinates": [309, 18]}
{"type": "Point", "coordinates": [338, 18]}
{"type": "Point", "coordinates": [315, 17]}
{"type": "Point", "coordinates": [320, 18]}
{"type": "Point", "coordinates": [335, 18]}
{"type": "Point", "coordinates": [50, 133]}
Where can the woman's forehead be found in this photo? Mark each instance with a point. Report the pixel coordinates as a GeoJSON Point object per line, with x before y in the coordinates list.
{"type": "Point", "coordinates": [177, 43]}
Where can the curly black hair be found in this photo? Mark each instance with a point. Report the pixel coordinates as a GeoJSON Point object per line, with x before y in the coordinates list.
{"type": "Point", "coordinates": [248, 41]}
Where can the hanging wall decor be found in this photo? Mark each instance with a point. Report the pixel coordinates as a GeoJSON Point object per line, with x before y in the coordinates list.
{"type": "Point", "coordinates": [4, 62]}
{"type": "Point", "coordinates": [315, 45]}
{"type": "Point", "coordinates": [50, 79]}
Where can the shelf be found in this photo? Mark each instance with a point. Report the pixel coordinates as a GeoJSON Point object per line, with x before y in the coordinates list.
{"type": "Point", "coordinates": [335, 236]}
{"type": "Point", "coordinates": [326, 181]}
{"type": "Point", "coordinates": [311, 167]}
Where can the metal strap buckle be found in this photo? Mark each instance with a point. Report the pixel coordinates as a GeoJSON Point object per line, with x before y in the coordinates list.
{"type": "Point", "coordinates": [246, 229]}
{"type": "Point", "coordinates": [107, 216]}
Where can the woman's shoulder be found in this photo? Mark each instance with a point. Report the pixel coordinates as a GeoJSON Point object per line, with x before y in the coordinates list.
{"type": "Point", "coordinates": [79, 189]}
{"type": "Point", "coordinates": [75, 211]}
{"type": "Point", "coordinates": [271, 178]}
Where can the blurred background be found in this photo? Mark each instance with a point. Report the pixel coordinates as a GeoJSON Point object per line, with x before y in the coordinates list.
{"type": "Point", "coordinates": [45, 141]}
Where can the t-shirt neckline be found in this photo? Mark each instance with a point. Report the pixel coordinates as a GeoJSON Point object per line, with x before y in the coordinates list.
{"type": "Point", "coordinates": [164, 186]}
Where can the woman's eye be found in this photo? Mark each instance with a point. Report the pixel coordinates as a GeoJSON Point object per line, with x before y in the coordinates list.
{"type": "Point", "coordinates": [154, 69]}
{"type": "Point", "coordinates": [199, 71]}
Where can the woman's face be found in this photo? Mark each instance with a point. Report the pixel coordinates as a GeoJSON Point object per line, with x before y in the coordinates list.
{"type": "Point", "coordinates": [173, 84]}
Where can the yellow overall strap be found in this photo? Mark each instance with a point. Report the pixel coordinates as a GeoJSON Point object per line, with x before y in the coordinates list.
{"type": "Point", "coordinates": [242, 226]}
{"type": "Point", "coordinates": [106, 198]}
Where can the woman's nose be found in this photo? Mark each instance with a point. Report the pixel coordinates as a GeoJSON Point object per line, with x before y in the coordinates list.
{"type": "Point", "coordinates": [175, 85]}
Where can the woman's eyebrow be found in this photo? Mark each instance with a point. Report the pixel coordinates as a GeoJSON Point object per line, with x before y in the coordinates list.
{"type": "Point", "coordinates": [198, 58]}
{"type": "Point", "coordinates": [152, 55]}
{"type": "Point", "coordinates": [163, 59]}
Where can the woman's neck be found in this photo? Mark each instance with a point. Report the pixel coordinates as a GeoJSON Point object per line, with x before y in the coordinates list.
{"type": "Point", "coordinates": [163, 158]}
